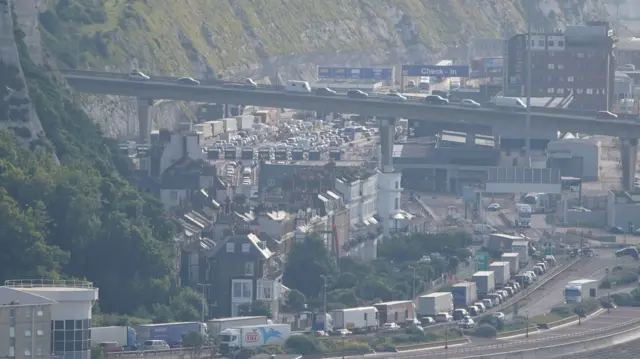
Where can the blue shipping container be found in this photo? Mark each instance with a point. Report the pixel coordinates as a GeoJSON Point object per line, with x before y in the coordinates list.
{"type": "Point", "coordinates": [172, 332]}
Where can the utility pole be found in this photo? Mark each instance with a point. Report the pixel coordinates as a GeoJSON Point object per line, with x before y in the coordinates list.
{"type": "Point", "coordinates": [528, 86]}
{"type": "Point", "coordinates": [204, 300]}
{"type": "Point", "coordinates": [324, 301]}
{"type": "Point", "coordinates": [413, 287]}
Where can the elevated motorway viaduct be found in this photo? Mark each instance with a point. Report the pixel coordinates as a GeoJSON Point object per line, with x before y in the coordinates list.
{"type": "Point", "coordinates": [167, 88]}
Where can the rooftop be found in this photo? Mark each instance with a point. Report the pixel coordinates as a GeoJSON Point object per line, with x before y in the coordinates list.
{"type": "Point", "coordinates": [48, 284]}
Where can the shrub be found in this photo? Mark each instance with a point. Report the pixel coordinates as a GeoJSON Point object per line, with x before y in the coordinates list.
{"type": "Point", "coordinates": [302, 344]}
{"type": "Point", "coordinates": [486, 331]}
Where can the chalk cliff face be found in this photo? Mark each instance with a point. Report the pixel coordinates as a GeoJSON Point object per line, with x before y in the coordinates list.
{"type": "Point", "coordinates": [18, 113]}
{"type": "Point", "coordinates": [239, 38]}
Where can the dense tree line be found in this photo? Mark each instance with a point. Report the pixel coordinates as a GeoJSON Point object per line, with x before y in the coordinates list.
{"type": "Point", "coordinates": [80, 218]}
{"type": "Point", "coordinates": [351, 282]}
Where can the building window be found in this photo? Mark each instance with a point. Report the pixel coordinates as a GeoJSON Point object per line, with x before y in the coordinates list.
{"type": "Point", "coordinates": [12, 313]}
{"type": "Point", "coordinates": [550, 90]}
{"type": "Point", "coordinates": [560, 91]}
{"type": "Point", "coordinates": [560, 66]}
{"type": "Point", "coordinates": [27, 313]}
{"type": "Point", "coordinates": [248, 269]}
{"type": "Point", "coordinates": [27, 352]}
{"type": "Point", "coordinates": [397, 185]}
{"type": "Point", "coordinates": [271, 182]}
{"type": "Point", "coordinates": [552, 43]}
{"type": "Point", "coordinates": [237, 290]}
{"type": "Point", "coordinates": [245, 247]}
{"type": "Point", "coordinates": [549, 79]}
{"type": "Point", "coordinates": [265, 290]}
{"type": "Point", "coordinates": [570, 79]}
{"type": "Point", "coordinates": [246, 290]}
{"type": "Point", "coordinates": [541, 43]}
{"type": "Point", "coordinates": [397, 203]}
{"type": "Point", "coordinates": [551, 66]}
{"type": "Point", "coordinates": [580, 91]}
{"type": "Point", "coordinates": [27, 332]}
{"type": "Point", "coordinates": [561, 43]}
{"type": "Point", "coordinates": [173, 195]}
{"type": "Point", "coordinates": [12, 332]}
{"type": "Point", "coordinates": [231, 247]}
{"type": "Point", "coordinates": [580, 55]}
{"type": "Point", "coordinates": [39, 351]}
{"type": "Point", "coordinates": [12, 351]}
{"type": "Point", "coordinates": [589, 91]}
{"type": "Point", "coordinates": [39, 312]}
{"type": "Point", "coordinates": [39, 332]}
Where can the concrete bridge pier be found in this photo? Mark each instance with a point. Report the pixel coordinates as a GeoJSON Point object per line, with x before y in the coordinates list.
{"type": "Point", "coordinates": [628, 159]}
{"type": "Point", "coordinates": [144, 121]}
{"type": "Point", "coordinates": [387, 137]}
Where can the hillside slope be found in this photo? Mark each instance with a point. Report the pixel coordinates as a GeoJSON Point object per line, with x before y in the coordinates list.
{"type": "Point", "coordinates": [246, 37]}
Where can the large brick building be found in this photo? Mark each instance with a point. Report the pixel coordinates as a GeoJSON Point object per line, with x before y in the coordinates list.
{"type": "Point", "coordinates": [578, 65]}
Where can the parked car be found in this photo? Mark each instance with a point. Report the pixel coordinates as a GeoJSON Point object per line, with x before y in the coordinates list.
{"type": "Point", "coordinates": [137, 75]}
{"type": "Point", "coordinates": [188, 81]}
{"type": "Point", "coordinates": [469, 103]}
{"type": "Point", "coordinates": [394, 97]}
{"type": "Point", "coordinates": [435, 100]}
{"type": "Point", "coordinates": [325, 91]}
{"type": "Point", "coordinates": [357, 94]}
{"type": "Point", "coordinates": [606, 115]}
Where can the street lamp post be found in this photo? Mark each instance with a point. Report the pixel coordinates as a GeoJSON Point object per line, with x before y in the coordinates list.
{"type": "Point", "coordinates": [526, 333]}
{"type": "Point", "coordinates": [324, 301]}
{"type": "Point", "coordinates": [204, 300]}
{"type": "Point", "coordinates": [413, 286]}
{"type": "Point", "coordinates": [446, 336]}
{"type": "Point", "coordinates": [528, 88]}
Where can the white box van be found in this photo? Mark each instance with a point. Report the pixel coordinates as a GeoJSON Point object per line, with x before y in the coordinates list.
{"type": "Point", "coordinates": [297, 86]}
{"type": "Point", "coordinates": [510, 102]}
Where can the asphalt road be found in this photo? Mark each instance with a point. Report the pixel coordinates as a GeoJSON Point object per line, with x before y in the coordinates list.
{"type": "Point", "coordinates": [551, 294]}
{"type": "Point", "coordinates": [593, 327]}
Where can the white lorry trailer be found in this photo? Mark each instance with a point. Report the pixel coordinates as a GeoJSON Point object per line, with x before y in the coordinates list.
{"type": "Point", "coordinates": [217, 325]}
{"type": "Point", "coordinates": [355, 319]}
{"type": "Point", "coordinates": [579, 290]}
{"type": "Point", "coordinates": [253, 336]}
{"type": "Point", "coordinates": [429, 305]}
{"type": "Point", "coordinates": [514, 261]}
{"type": "Point", "coordinates": [485, 281]}
{"type": "Point", "coordinates": [501, 273]}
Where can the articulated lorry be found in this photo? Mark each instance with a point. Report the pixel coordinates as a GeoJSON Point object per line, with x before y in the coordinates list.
{"type": "Point", "coordinates": [430, 305]}
{"type": "Point", "coordinates": [579, 290]}
{"type": "Point", "coordinates": [253, 336]}
{"type": "Point", "coordinates": [464, 294]}
{"type": "Point", "coordinates": [217, 325]}
{"type": "Point", "coordinates": [170, 332]}
{"type": "Point", "coordinates": [124, 336]}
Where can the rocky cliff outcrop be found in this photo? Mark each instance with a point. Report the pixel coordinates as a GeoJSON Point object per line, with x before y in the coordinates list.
{"type": "Point", "coordinates": [238, 38]}
{"type": "Point", "coordinates": [18, 113]}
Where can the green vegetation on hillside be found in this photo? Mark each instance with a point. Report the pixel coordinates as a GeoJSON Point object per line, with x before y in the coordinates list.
{"type": "Point", "coordinates": [390, 277]}
{"type": "Point", "coordinates": [81, 219]}
{"type": "Point", "coordinates": [168, 36]}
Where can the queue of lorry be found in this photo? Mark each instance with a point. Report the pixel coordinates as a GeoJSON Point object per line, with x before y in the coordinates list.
{"type": "Point", "coordinates": [486, 289]}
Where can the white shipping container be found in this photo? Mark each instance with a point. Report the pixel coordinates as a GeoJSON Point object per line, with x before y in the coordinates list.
{"type": "Point", "coordinates": [230, 124]}
{"type": "Point", "coordinates": [205, 129]}
{"type": "Point", "coordinates": [244, 122]}
{"type": "Point", "coordinates": [514, 262]}
{"type": "Point", "coordinates": [501, 273]}
{"type": "Point", "coordinates": [217, 127]}
{"type": "Point", "coordinates": [431, 304]}
{"type": "Point", "coordinates": [355, 318]}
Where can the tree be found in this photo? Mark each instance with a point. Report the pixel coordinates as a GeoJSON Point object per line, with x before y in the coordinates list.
{"type": "Point", "coordinates": [302, 344]}
{"type": "Point", "coordinates": [296, 300]}
{"type": "Point", "coordinates": [255, 308]}
{"type": "Point", "coordinates": [307, 262]}
{"type": "Point", "coordinates": [195, 341]}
